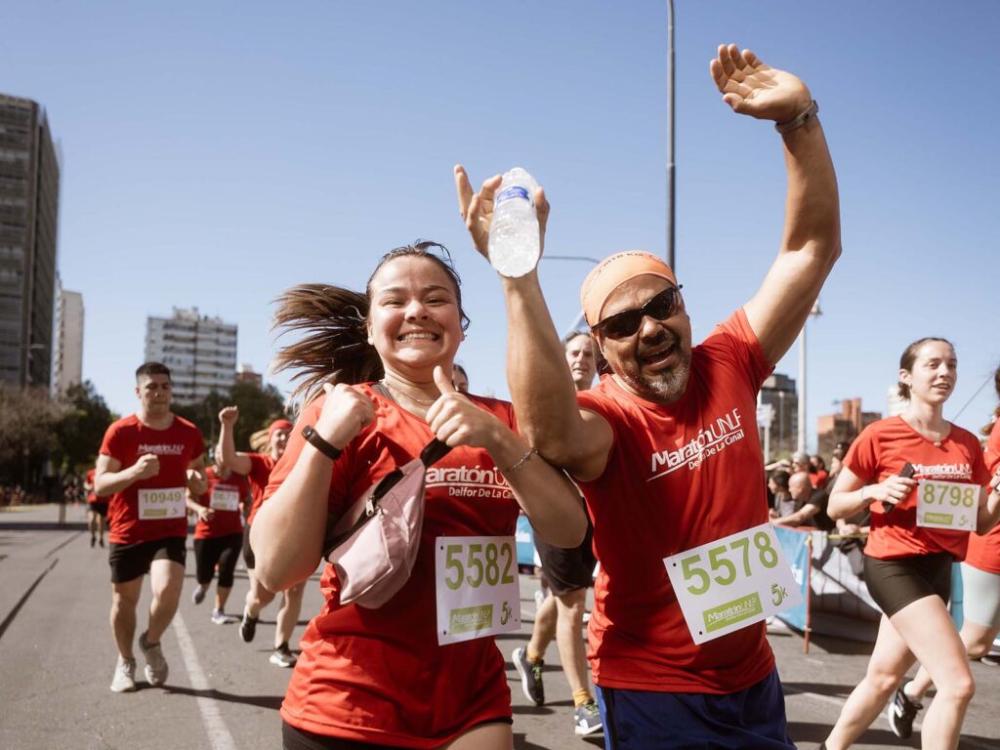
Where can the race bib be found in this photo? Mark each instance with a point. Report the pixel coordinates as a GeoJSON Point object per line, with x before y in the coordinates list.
{"type": "Point", "coordinates": [155, 505]}
{"type": "Point", "coordinates": [478, 594]}
{"type": "Point", "coordinates": [732, 582]}
{"type": "Point", "coordinates": [224, 498]}
{"type": "Point", "coordinates": [947, 505]}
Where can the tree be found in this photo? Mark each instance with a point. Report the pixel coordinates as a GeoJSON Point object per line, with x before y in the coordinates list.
{"type": "Point", "coordinates": [85, 418]}
{"type": "Point", "coordinates": [27, 432]}
{"type": "Point", "coordinates": [258, 407]}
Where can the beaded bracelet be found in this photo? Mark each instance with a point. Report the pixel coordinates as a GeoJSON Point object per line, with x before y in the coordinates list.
{"type": "Point", "coordinates": [521, 461]}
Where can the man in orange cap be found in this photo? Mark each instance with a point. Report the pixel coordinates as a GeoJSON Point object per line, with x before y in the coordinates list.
{"type": "Point", "coordinates": [256, 467]}
{"type": "Point", "coordinates": [666, 452]}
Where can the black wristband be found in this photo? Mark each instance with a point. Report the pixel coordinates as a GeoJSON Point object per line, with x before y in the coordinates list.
{"type": "Point", "coordinates": [319, 443]}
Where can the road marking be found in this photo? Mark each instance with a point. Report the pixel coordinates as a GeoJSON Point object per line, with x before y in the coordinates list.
{"type": "Point", "coordinates": [219, 737]}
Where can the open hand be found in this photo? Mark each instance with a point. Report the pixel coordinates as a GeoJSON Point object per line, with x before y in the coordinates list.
{"type": "Point", "coordinates": [751, 87]}
{"type": "Point", "coordinates": [477, 209]}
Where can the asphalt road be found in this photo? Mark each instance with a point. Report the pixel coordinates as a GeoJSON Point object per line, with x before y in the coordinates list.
{"type": "Point", "coordinates": [57, 658]}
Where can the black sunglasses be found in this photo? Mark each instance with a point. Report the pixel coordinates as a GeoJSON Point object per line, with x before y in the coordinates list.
{"type": "Point", "coordinates": [626, 323]}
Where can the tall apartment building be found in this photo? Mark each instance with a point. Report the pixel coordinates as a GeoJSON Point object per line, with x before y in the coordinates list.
{"type": "Point", "coordinates": [29, 208]}
{"type": "Point", "coordinates": [67, 367]}
{"type": "Point", "coordinates": [199, 350]}
{"type": "Point", "coordinates": [779, 391]}
{"type": "Point", "coordinates": [844, 427]}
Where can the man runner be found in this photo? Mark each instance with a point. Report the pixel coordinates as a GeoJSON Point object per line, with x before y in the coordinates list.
{"type": "Point", "coordinates": [147, 463]}
{"type": "Point", "coordinates": [97, 510]}
{"type": "Point", "coordinates": [567, 574]}
{"type": "Point", "coordinates": [665, 448]}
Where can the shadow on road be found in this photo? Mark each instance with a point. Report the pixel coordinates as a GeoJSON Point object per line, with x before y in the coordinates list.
{"type": "Point", "coordinates": [261, 701]}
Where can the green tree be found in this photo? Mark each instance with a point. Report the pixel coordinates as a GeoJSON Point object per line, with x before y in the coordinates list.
{"type": "Point", "coordinates": [27, 433]}
{"type": "Point", "coordinates": [84, 420]}
{"type": "Point", "coordinates": [258, 407]}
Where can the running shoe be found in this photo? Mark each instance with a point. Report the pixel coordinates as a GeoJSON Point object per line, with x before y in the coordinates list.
{"type": "Point", "coordinates": [901, 713]}
{"type": "Point", "coordinates": [101, 541]}
{"type": "Point", "coordinates": [282, 656]}
{"type": "Point", "coordinates": [198, 595]}
{"type": "Point", "coordinates": [124, 679]}
{"type": "Point", "coordinates": [587, 719]}
{"type": "Point", "coordinates": [221, 618]}
{"type": "Point", "coordinates": [156, 666]}
{"type": "Point", "coordinates": [531, 675]}
{"type": "Point", "coordinates": [248, 627]}
{"type": "Point", "coordinates": [93, 541]}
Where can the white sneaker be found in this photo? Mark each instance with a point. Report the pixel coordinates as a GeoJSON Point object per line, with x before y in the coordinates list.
{"type": "Point", "coordinates": [156, 665]}
{"type": "Point", "coordinates": [124, 679]}
{"type": "Point", "coordinates": [221, 618]}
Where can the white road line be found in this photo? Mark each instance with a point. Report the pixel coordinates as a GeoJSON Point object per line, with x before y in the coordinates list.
{"type": "Point", "coordinates": [219, 737]}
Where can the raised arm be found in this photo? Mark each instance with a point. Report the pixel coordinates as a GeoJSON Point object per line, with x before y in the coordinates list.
{"type": "Point", "coordinates": [287, 532]}
{"type": "Point", "coordinates": [810, 242]}
{"type": "Point", "coordinates": [540, 382]}
{"type": "Point", "coordinates": [225, 452]}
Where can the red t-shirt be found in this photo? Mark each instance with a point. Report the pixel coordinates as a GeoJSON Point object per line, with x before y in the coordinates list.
{"type": "Point", "coordinates": [177, 446]}
{"type": "Point", "coordinates": [223, 522]}
{"type": "Point", "coordinates": [818, 479]}
{"type": "Point", "coordinates": [984, 551]}
{"type": "Point", "coordinates": [379, 675]}
{"type": "Point", "coordinates": [91, 495]}
{"type": "Point", "coordinates": [881, 450]}
{"type": "Point", "coordinates": [678, 476]}
{"type": "Point", "coordinates": [261, 466]}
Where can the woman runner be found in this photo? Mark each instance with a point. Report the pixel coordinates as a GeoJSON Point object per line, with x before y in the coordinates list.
{"type": "Point", "coordinates": [379, 677]}
{"type": "Point", "coordinates": [907, 565]}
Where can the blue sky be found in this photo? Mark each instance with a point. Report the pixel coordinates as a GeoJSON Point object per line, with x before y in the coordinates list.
{"type": "Point", "coordinates": [217, 153]}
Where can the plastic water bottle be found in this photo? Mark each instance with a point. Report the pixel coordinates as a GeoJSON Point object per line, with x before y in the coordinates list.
{"type": "Point", "coordinates": [514, 246]}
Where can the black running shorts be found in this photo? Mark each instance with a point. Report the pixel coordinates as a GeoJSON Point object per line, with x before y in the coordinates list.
{"type": "Point", "coordinates": [894, 584]}
{"type": "Point", "coordinates": [565, 570]}
{"type": "Point", "coordinates": [223, 551]}
{"type": "Point", "coordinates": [99, 508]}
{"type": "Point", "coordinates": [131, 561]}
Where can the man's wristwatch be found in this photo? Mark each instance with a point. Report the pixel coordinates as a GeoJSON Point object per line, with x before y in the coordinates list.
{"type": "Point", "coordinates": [319, 443]}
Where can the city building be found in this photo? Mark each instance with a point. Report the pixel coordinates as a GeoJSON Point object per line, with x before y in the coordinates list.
{"type": "Point", "coordinates": [199, 350]}
{"type": "Point", "coordinates": [844, 427]}
{"type": "Point", "coordinates": [779, 392]}
{"type": "Point", "coordinates": [29, 209]}
{"type": "Point", "coordinates": [246, 374]}
{"type": "Point", "coordinates": [67, 364]}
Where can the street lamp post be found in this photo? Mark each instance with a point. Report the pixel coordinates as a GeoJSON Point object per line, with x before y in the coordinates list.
{"type": "Point", "coordinates": [670, 136]}
{"type": "Point", "coordinates": [814, 313]}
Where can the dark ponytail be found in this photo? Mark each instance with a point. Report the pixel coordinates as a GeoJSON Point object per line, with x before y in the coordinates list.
{"type": "Point", "coordinates": [335, 346]}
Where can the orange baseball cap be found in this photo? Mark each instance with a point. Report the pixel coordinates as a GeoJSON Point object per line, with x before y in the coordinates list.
{"type": "Point", "coordinates": [614, 271]}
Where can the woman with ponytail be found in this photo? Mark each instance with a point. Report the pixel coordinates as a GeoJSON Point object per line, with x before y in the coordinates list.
{"type": "Point", "coordinates": [375, 369]}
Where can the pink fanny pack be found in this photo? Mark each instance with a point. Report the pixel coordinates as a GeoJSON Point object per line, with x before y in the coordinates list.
{"type": "Point", "coordinates": [374, 545]}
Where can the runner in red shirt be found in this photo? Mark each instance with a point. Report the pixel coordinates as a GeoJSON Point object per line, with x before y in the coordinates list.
{"type": "Point", "coordinates": [923, 480]}
{"type": "Point", "coordinates": [980, 597]}
{"type": "Point", "coordinates": [218, 537]}
{"type": "Point", "coordinates": [256, 467]}
{"type": "Point", "coordinates": [97, 510]}
{"type": "Point", "coordinates": [147, 463]}
{"type": "Point", "coordinates": [666, 452]}
{"type": "Point", "coordinates": [403, 675]}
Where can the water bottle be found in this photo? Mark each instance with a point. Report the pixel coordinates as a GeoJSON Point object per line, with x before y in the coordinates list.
{"type": "Point", "coordinates": [514, 246]}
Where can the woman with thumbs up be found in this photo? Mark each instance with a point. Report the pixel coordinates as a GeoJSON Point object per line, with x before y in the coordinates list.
{"type": "Point", "coordinates": [422, 670]}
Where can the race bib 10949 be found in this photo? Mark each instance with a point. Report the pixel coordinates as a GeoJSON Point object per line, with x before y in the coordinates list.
{"type": "Point", "coordinates": [155, 505]}
{"type": "Point", "coordinates": [732, 582]}
{"type": "Point", "coordinates": [947, 505]}
{"type": "Point", "coordinates": [478, 594]}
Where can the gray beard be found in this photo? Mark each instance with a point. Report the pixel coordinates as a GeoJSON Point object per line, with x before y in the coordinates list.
{"type": "Point", "coordinates": [666, 388]}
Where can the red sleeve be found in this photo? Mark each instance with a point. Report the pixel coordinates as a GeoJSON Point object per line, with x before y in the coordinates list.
{"type": "Point", "coordinates": [980, 469]}
{"type": "Point", "coordinates": [993, 448]}
{"type": "Point", "coordinates": [862, 457]}
{"type": "Point", "coordinates": [737, 331]}
{"type": "Point", "coordinates": [111, 445]}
